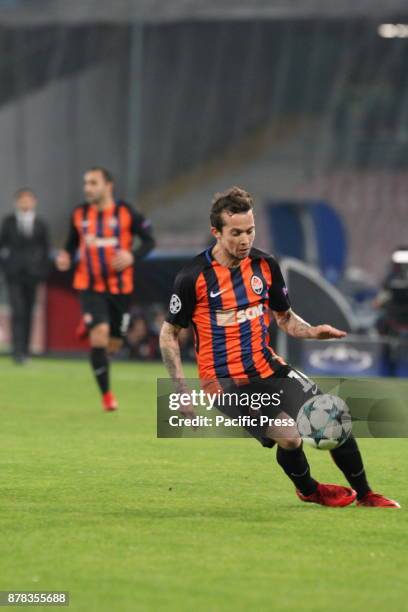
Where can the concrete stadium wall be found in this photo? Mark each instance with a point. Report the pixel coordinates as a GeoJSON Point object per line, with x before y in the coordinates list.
{"type": "Point", "coordinates": [50, 136]}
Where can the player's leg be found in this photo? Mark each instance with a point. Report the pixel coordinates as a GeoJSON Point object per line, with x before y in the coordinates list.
{"type": "Point", "coordinates": [117, 308]}
{"type": "Point", "coordinates": [292, 459]}
{"type": "Point", "coordinates": [119, 318]}
{"type": "Point", "coordinates": [290, 454]}
{"type": "Point", "coordinates": [347, 457]}
{"type": "Point", "coordinates": [99, 341]}
{"type": "Point", "coordinates": [96, 317]}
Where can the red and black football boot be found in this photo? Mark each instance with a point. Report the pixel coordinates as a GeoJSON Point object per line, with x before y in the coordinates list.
{"type": "Point", "coordinates": [109, 402]}
{"type": "Point", "coordinates": [376, 500]}
{"type": "Point", "coordinates": [330, 495]}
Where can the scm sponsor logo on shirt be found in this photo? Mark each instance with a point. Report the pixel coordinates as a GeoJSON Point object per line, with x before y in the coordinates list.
{"type": "Point", "coordinates": [232, 317]}
{"type": "Point", "coordinates": [92, 240]}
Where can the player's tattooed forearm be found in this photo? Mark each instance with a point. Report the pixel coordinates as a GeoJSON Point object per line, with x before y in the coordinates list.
{"type": "Point", "coordinates": [170, 351]}
{"type": "Point", "coordinates": [299, 328]}
{"type": "Point", "coordinates": [293, 325]}
{"type": "Point", "coordinates": [171, 359]}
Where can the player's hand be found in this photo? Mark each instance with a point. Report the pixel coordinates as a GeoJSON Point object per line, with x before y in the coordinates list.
{"type": "Point", "coordinates": [122, 260]}
{"type": "Point", "coordinates": [327, 332]}
{"type": "Point", "coordinates": [188, 412]}
{"type": "Point", "coordinates": [63, 261]}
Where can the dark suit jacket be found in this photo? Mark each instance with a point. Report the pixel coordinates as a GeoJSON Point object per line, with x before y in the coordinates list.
{"type": "Point", "coordinates": [24, 256]}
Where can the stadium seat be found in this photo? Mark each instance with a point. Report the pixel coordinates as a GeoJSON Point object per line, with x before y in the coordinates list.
{"type": "Point", "coordinates": [310, 231]}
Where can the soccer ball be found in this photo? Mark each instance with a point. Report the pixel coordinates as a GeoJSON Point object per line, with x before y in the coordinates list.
{"type": "Point", "coordinates": [324, 422]}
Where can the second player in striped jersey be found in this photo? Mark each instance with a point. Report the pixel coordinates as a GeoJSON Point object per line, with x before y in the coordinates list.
{"type": "Point", "coordinates": [100, 246]}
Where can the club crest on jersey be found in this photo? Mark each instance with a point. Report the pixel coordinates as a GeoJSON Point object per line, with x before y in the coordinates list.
{"type": "Point", "coordinates": [175, 304]}
{"type": "Point", "coordinates": [113, 222]}
{"type": "Point", "coordinates": [257, 284]}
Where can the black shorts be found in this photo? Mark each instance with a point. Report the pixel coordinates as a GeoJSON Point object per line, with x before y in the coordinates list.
{"type": "Point", "coordinates": [114, 309]}
{"type": "Point", "coordinates": [288, 389]}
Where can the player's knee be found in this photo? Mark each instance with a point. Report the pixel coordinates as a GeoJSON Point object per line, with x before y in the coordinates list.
{"type": "Point", "coordinates": [114, 346]}
{"type": "Point", "coordinates": [99, 335]}
{"type": "Point", "coordinates": [289, 443]}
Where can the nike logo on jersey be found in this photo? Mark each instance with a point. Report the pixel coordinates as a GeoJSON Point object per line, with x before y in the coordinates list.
{"type": "Point", "coordinates": [214, 294]}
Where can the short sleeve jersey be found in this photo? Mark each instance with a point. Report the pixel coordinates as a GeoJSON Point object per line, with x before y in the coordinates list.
{"type": "Point", "coordinates": [95, 237]}
{"type": "Point", "coordinates": [228, 309]}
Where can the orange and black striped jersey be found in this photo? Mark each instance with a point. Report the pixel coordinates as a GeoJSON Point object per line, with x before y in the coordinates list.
{"type": "Point", "coordinates": [229, 312]}
{"type": "Point", "coordinates": [94, 238]}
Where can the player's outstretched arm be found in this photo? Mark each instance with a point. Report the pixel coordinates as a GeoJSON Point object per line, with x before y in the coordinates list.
{"type": "Point", "coordinates": [289, 322]}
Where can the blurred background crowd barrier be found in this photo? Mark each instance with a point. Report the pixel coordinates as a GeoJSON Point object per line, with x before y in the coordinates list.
{"type": "Point", "coordinates": [303, 104]}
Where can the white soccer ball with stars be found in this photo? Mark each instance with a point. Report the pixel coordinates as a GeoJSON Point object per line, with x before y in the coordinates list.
{"type": "Point", "coordinates": [324, 422]}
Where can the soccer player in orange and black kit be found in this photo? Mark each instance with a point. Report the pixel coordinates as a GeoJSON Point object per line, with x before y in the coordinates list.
{"type": "Point", "coordinates": [100, 246]}
{"type": "Point", "coordinates": [226, 292]}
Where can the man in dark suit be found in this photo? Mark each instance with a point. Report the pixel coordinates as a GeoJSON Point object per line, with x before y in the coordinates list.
{"type": "Point", "coordinates": [24, 257]}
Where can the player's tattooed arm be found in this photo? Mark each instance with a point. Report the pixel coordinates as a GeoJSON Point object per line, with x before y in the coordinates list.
{"type": "Point", "coordinates": [291, 323]}
{"type": "Point", "coordinates": [170, 351]}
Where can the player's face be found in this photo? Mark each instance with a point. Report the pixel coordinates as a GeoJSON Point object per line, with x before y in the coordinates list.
{"type": "Point", "coordinates": [26, 202]}
{"type": "Point", "coordinates": [237, 235]}
{"type": "Point", "coordinates": [96, 188]}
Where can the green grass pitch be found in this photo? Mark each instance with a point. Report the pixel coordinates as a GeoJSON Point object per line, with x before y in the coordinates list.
{"type": "Point", "coordinates": [94, 504]}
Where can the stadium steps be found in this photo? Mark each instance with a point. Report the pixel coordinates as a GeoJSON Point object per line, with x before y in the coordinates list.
{"type": "Point", "coordinates": [270, 164]}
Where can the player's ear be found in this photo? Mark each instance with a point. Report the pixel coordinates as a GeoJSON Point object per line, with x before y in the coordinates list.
{"type": "Point", "coordinates": [215, 232]}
